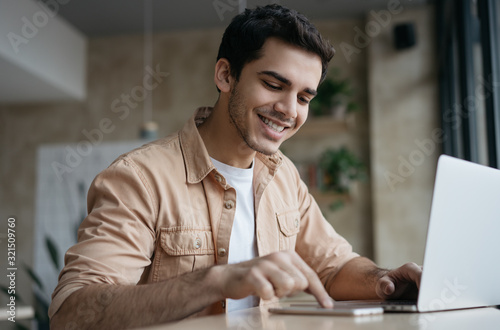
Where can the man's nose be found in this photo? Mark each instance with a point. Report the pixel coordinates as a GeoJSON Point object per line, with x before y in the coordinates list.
{"type": "Point", "coordinates": [287, 105]}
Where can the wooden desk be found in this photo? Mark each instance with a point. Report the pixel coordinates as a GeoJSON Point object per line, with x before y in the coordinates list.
{"type": "Point", "coordinates": [259, 318]}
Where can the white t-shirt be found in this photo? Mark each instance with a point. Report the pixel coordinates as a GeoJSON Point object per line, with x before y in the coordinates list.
{"type": "Point", "coordinates": [242, 245]}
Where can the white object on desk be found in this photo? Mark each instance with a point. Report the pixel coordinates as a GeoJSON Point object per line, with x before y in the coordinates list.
{"type": "Point", "coordinates": [22, 313]}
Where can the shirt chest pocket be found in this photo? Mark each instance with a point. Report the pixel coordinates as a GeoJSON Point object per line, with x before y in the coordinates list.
{"type": "Point", "coordinates": [182, 250]}
{"type": "Point", "coordinates": [289, 226]}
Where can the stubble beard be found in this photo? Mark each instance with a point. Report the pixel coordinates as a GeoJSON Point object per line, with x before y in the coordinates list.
{"type": "Point", "coordinates": [237, 112]}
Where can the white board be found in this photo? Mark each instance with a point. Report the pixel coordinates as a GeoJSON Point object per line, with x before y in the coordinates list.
{"type": "Point", "coordinates": [64, 174]}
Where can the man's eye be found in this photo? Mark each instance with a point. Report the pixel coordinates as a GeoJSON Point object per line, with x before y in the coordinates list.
{"type": "Point", "coordinates": [272, 86]}
{"type": "Point", "coordinates": [304, 100]}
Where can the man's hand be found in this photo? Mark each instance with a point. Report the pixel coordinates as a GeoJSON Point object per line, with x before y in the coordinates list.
{"type": "Point", "coordinates": [279, 275]}
{"type": "Point", "coordinates": [400, 283]}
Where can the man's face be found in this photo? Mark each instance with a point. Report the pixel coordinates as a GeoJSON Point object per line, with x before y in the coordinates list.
{"type": "Point", "coordinates": [270, 101]}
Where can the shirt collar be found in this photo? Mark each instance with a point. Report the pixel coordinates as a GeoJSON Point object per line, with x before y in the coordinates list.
{"type": "Point", "coordinates": [196, 157]}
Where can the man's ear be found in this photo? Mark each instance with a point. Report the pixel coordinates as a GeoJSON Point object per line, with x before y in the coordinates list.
{"type": "Point", "coordinates": [222, 77]}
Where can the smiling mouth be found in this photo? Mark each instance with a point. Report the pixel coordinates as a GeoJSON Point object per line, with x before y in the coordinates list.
{"type": "Point", "coordinates": [272, 125]}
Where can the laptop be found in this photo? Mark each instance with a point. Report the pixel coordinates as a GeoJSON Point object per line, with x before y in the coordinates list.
{"type": "Point", "coordinates": [460, 268]}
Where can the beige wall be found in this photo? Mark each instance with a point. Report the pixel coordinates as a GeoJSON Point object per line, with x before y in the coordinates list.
{"type": "Point", "coordinates": [404, 113]}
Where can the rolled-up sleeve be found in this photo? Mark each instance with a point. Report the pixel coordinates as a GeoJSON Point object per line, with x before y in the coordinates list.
{"type": "Point", "coordinates": [116, 240]}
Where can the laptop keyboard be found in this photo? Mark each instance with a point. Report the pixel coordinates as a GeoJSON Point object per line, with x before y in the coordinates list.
{"type": "Point", "coordinates": [400, 302]}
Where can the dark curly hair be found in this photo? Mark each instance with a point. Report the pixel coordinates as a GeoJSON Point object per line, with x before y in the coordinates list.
{"type": "Point", "coordinates": [244, 37]}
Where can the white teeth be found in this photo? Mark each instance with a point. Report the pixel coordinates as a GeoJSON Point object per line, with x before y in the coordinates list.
{"type": "Point", "coordinates": [275, 127]}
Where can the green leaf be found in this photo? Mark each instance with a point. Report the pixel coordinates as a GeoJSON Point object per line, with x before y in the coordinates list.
{"type": "Point", "coordinates": [6, 291]}
{"type": "Point", "coordinates": [41, 309]}
{"type": "Point", "coordinates": [54, 255]}
{"type": "Point", "coordinates": [333, 91]}
{"type": "Point", "coordinates": [339, 165]}
{"type": "Point", "coordinates": [20, 326]}
{"type": "Point", "coordinates": [34, 276]}
{"type": "Point", "coordinates": [336, 205]}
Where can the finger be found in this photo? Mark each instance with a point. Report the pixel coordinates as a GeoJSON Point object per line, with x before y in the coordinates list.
{"type": "Point", "coordinates": [397, 281]}
{"type": "Point", "coordinates": [260, 283]}
{"type": "Point", "coordinates": [417, 274]}
{"type": "Point", "coordinates": [285, 277]}
{"type": "Point", "coordinates": [385, 287]}
{"type": "Point", "coordinates": [409, 272]}
{"type": "Point", "coordinates": [272, 280]}
{"type": "Point", "coordinates": [315, 286]}
{"type": "Point", "coordinates": [284, 284]}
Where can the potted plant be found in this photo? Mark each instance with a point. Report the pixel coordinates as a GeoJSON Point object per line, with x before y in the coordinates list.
{"type": "Point", "coordinates": [334, 97]}
{"type": "Point", "coordinates": [340, 168]}
{"type": "Point", "coordinates": [41, 303]}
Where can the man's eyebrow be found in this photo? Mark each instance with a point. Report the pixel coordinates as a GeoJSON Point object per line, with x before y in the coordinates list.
{"type": "Point", "coordinates": [277, 76]}
{"type": "Point", "coordinates": [286, 81]}
{"type": "Point", "coordinates": [313, 92]}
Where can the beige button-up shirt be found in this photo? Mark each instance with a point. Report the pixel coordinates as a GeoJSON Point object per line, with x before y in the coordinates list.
{"type": "Point", "coordinates": [163, 210]}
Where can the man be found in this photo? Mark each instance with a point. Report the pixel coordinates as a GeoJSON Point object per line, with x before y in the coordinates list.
{"type": "Point", "coordinates": [215, 213]}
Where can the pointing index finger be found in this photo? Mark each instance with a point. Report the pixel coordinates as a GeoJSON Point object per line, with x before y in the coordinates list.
{"type": "Point", "coordinates": [315, 287]}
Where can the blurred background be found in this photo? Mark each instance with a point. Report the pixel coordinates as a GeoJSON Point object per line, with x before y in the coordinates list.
{"type": "Point", "coordinates": [83, 81]}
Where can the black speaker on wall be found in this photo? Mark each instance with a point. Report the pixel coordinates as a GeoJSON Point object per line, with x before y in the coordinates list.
{"type": "Point", "coordinates": [404, 35]}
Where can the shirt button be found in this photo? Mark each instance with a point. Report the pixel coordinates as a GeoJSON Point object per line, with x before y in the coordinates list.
{"type": "Point", "coordinates": [218, 178]}
{"type": "Point", "coordinates": [229, 204]}
{"type": "Point", "coordinates": [221, 252]}
{"type": "Point", "coordinates": [296, 223]}
{"type": "Point", "coordinates": [197, 243]}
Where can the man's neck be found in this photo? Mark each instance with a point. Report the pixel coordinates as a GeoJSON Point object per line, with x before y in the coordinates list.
{"type": "Point", "coordinates": [222, 140]}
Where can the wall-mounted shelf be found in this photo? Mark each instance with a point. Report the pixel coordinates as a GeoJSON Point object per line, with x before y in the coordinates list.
{"type": "Point", "coordinates": [322, 126]}
{"type": "Point", "coordinates": [325, 198]}
{"type": "Point", "coordinates": [318, 127]}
